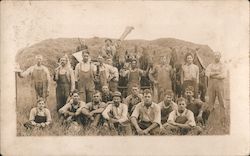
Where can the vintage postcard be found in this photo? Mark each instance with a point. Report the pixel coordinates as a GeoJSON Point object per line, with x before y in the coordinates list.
{"type": "Point", "coordinates": [125, 78]}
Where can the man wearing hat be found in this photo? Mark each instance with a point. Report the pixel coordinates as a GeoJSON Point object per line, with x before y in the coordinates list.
{"type": "Point", "coordinates": [84, 75]}
{"type": "Point", "coordinates": [116, 115]}
{"type": "Point", "coordinates": [40, 77]}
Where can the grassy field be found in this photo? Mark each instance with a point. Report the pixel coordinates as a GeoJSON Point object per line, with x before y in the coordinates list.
{"type": "Point", "coordinates": [26, 100]}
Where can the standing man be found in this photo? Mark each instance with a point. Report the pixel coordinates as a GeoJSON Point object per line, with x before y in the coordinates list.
{"type": "Point", "coordinates": [216, 73]}
{"type": "Point", "coordinates": [134, 76]}
{"type": "Point", "coordinates": [84, 74]}
{"type": "Point", "coordinates": [116, 115]}
{"type": "Point", "coordinates": [190, 75]}
{"type": "Point", "coordinates": [146, 117]}
{"type": "Point", "coordinates": [161, 76]}
{"type": "Point", "coordinates": [65, 80]}
{"type": "Point", "coordinates": [114, 76]}
{"type": "Point", "coordinates": [40, 77]}
{"type": "Point", "coordinates": [105, 72]}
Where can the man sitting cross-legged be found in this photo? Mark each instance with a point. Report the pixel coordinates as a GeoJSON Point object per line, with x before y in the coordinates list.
{"type": "Point", "coordinates": [39, 116]}
{"type": "Point", "coordinates": [116, 115]}
{"type": "Point", "coordinates": [72, 110]}
{"type": "Point", "coordinates": [181, 121]}
{"type": "Point", "coordinates": [94, 109]}
{"type": "Point", "coordinates": [146, 117]}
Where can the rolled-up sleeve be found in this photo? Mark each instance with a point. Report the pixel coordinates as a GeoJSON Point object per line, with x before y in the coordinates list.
{"type": "Point", "coordinates": [191, 120]}
{"type": "Point", "coordinates": [106, 111]}
{"type": "Point", "coordinates": [171, 117]}
{"type": "Point", "coordinates": [157, 115]}
{"type": "Point", "coordinates": [28, 71]}
{"type": "Point", "coordinates": [47, 112]}
{"type": "Point", "coordinates": [77, 71]}
{"type": "Point", "coordinates": [124, 116]}
{"type": "Point", "coordinates": [208, 71]}
{"type": "Point", "coordinates": [32, 114]}
{"type": "Point", "coordinates": [136, 111]}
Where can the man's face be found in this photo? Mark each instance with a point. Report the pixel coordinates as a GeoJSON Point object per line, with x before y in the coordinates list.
{"type": "Point", "coordinates": [217, 57]}
{"type": "Point", "coordinates": [100, 60]}
{"type": "Point", "coordinates": [116, 100]}
{"type": "Point", "coordinates": [108, 43]}
{"type": "Point", "coordinates": [85, 57]}
{"type": "Point", "coordinates": [189, 59]}
{"type": "Point", "coordinates": [189, 94]}
{"type": "Point", "coordinates": [163, 60]}
{"type": "Point", "coordinates": [181, 106]}
{"type": "Point", "coordinates": [118, 43]}
{"type": "Point", "coordinates": [97, 97]}
{"type": "Point", "coordinates": [147, 99]}
{"type": "Point", "coordinates": [39, 60]}
{"type": "Point", "coordinates": [63, 61]}
{"type": "Point", "coordinates": [135, 90]}
{"type": "Point", "coordinates": [133, 64]}
{"type": "Point", "coordinates": [41, 104]}
{"type": "Point", "coordinates": [105, 89]}
{"type": "Point", "coordinates": [168, 98]}
{"type": "Point", "coordinates": [109, 62]}
{"type": "Point", "coordinates": [76, 98]}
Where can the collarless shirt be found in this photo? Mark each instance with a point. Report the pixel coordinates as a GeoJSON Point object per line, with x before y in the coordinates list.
{"type": "Point", "coordinates": [147, 114]}
{"type": "Point", "coordinates": [190, 72]}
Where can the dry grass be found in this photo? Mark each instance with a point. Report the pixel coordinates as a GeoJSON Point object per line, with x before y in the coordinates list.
{"type": "Point", "coordinates": [24, 105]}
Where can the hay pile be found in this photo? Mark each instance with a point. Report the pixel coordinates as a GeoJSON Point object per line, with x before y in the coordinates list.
{"type": "Point", "coordinates": [52, 49]}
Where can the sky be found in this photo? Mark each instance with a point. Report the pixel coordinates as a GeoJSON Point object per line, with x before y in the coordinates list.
{"type": "Point", "coordinates": [220, 25]}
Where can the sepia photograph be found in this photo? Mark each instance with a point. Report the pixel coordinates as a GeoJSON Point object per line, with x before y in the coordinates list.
{"type": "Point", "coordinates": [135, 71]}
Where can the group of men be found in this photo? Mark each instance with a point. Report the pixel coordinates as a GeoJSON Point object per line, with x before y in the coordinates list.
{"type": "Point", "coordinates": [90, 95]}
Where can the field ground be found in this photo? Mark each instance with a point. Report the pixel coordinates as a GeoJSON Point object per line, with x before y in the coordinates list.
{"type": "Point", "coordinates": [26, 100]}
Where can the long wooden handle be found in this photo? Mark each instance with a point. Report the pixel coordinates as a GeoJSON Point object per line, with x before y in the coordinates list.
{"type": "Point", "coordinates": [128, 29]}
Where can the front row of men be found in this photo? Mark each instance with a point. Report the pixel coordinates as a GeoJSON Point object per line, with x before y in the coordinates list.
{"type": "Point", "coordinates": [137, 115]}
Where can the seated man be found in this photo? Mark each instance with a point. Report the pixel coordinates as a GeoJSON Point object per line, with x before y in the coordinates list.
{"type": "Point", "coordinates": [133, 99]}
{"type": "Point", "coordinates": [106, 94]}
{"type": "Point", "coordinates": [72, 110]}
{"type": "Point", "coordinates": [146, 117]}
{"type": "Point", "coordinates": [116, 115]}
{"type": "Point", "coordinates": [181, 121]}
{"type": "Point", "coordinates": [167, 106]}
{"type": "Point", "coordinates": [93, 110]}
{"type": "Point", "coordinates": [198, 107]}
{"type": "Point", "coordinates": [39, 116]}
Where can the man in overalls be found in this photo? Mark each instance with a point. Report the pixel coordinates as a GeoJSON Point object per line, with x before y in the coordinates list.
{"type": "Point", "coordinates": [216, 74]}
{"type": "Point", "coordinates": [40, 78]}
{"type": "Point", "coordinates": [134, 76]}
{"type": "Point", "coordinates": [84, 74]}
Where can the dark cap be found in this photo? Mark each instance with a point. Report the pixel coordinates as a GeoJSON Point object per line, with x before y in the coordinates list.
{"type": "Point", "coordinates": [117, 94]}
